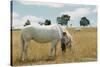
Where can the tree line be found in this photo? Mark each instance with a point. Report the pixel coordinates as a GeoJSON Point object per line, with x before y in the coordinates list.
{"type": "Point", "coordinates": [63, 20]}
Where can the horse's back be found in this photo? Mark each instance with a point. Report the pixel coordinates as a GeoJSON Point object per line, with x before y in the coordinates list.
{"type": "Point", "coordinates": [41, 33]}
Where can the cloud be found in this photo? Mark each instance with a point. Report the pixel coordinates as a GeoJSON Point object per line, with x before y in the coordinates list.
{"type": "Point", "coordinates": [19, 22]}
{"type": "Point", "coordinates": [32, 18]}
{"type": "Point", "coordinates": [16, 22]}
{"type": "Point", "coordinates": [95, 10]}
{"type": "Point", "coordinates": [77, 13]}
{"type": "Point", "coordinates": [15, 15]}
{"type": "Point", "coordinates": [30, 2]}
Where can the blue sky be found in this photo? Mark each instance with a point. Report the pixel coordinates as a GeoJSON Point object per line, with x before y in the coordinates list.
{"type": "Point", "coordinates": [39, 11]}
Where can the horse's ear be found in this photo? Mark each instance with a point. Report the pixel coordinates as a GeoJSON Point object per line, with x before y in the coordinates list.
{"type": "Point", "coordinates": [64, 33]}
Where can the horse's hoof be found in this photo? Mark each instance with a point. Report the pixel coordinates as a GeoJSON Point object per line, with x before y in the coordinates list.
{"type": "Point", "coordinates": [51, 58]}
{"type": "Point", "coordinates": [22, 60]}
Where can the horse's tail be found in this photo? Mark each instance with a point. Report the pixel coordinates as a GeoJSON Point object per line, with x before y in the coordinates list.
{"type": "Point", "coordinates": [22, 40]}
{"type": "Point", "coordinates": [21, 45]}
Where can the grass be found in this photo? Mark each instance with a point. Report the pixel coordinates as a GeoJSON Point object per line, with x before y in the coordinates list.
{"type": "Point", "coordinates": [84, 48]}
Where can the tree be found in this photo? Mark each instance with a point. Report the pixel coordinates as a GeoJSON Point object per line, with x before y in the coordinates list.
{"type": "Point", "coordinates": [47, 22]}
{"type": "Point", "coordinates": [27, 23]}
{"type": "Point", "coordinates": [59, 20]}
{"type": "Point", "coordinates": [41, 23]}
{"type": "Point", "coordinates": [84, 21]}
{"type": "Point", "coordinates": [63, 20]}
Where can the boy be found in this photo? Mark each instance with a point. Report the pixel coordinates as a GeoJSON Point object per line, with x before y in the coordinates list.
{"type": "Point", "coordinates": [63, 42]}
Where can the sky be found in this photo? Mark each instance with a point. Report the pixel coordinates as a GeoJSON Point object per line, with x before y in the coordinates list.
{"type": "Point", "coordinates": [40, 11]}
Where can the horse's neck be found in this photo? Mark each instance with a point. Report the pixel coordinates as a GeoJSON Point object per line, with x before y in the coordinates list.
{"type": "Point", "coordinates": [60, 30]}
{"type": "Point", "coordinates": [63, 29]}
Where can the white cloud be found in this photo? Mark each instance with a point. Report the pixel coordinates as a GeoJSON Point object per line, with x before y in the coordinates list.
{"type": "Point", "coordinates": [16, 20]}
{"type": "Point", "coordinates": [15, 15]}
{"type": "Point", "coordinates": [30, 2]}
{"type": "Point", "coordinates": [19, 22]}
{"type": "Point", "coordinates": [79, 12]}
{"type": "Point", "coordinates": [95, 10]}
{"type": "Point", "coordinates": [32, 18]}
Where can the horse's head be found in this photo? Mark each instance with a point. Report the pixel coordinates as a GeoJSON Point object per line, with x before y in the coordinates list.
{"type": "Point", "coordinates": [65, 41]}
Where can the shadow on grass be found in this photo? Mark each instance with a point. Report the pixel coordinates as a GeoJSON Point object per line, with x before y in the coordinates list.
{"type": "Point", "coordinates": [19, 62]}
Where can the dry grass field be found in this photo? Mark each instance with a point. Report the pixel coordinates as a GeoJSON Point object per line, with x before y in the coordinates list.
{"type": "Point", "coordinates": [84, 48]}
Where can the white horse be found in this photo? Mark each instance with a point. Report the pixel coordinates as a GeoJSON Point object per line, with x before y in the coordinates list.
{"type": "Point", "coordinates": [42, 34]}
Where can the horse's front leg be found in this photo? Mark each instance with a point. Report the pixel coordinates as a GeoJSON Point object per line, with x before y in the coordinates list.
{"type": "Point", "coordinates": [69, 45]}
{"type": "Point", "coordinates": [53, 49]}
{"type": "Point", "coordinates": [56, 42]}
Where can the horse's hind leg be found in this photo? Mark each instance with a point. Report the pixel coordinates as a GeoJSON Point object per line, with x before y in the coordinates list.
{"type": "Point", "coordinates": [24, 50]}
{"type": "Point", "coordinates": [21, 52]}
